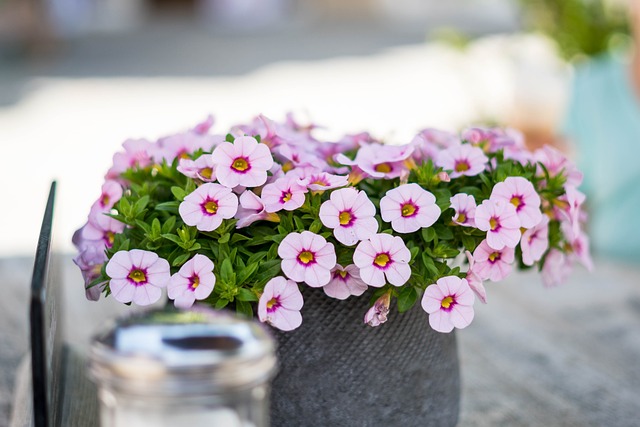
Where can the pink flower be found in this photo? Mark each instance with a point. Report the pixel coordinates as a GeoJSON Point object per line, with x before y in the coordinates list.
{"type": "Point", "coordinates": [208, 206]}
{"type": "Point", "coordinates": [280, 304]}
{"type": "Point", "coordinates": [345, 281]}
{"type": "Point", "coordinates": [555, 162]}
{"type": "Point", "coordinates": [572, 208]}
{"type": "Point", "coordinates": [350, 214]}
{"type": "Point", "coordinates": [556, 268]}
{"type": "Point", "coordinates": [321, 181]}
{"type": "Point", "coordinates": [137, 276]}
{"type": "Point", "coordinates": [201, 168]}
{"type": "Point", "coordinates": [137, 153]}
{"type": "Point", "coordinates": [429, 142]}
{"type": "Point", "coordinates": [577, 244]}
{"type": "Point", "coordinates": [101, 230]}
{"type": "Point", "coordinates": [90, 261]}
{"type": "Point", "coordinates": [383, 258]}
{"type": "Point", "coordinates": [535, 242]}
{"type": "Point", "coordinates": [307, 257]}
{"type": "Point", "coordinates": [378, 313]}
{"type": "Point", "coordinates": [183, 145]}
{"type": "Point", "coordinates": [465, 207]}
{"type": "Point", "coordinates": [379, 160]}
{"type": "Point", "coordinates": [203, 127]}
{"type": "Point", "coordinates": [409, 208]}
{"type": "Point", "coordinates": [520, 193]}
{"type": "Point", "coordinates": [251, 209]}
{"type": "Point", "coordinates": [111, 193]}
{"type": "Point", "coordinates": [462, 159]}
{"type": "Point", "coordinates": [245, 162]}
{"type": "Point", "coordinates": [449, 303]}
{"type": "Point", "coordinates": [194, 281]}
{"type": "Point", "coordinates": [492, 264]}
{"type": "Point", "coordinates": [284, 193]}
{"type": "Point", "coordinates": [500, 220]}
{"type": "Point", "coordinates": [475, 282]}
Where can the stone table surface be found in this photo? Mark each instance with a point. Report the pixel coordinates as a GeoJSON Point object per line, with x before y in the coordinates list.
{"type": "Point", "coordinates": [568, 356]}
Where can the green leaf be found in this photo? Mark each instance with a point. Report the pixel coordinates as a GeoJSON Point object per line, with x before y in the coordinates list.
{"type": "Point", "coordinates": [178, 193]}
{"type": "Point", "coordinates": [221, 303]}
{"type": "Point", "coordinates": [443, 232]}
{"type": "Point", "coordinates": [144, 226]}
{"type": "Point", "coordinates": [315, 226]}
{"type": "Point", "coordinates": [414, 252]}
{"type": "Point", "coordinates": [224, 238]}
{"type": "Point", "coordinates": [469, 243]}
{"type": "Point", "coordinates": [169, 224]}
{"type": "Point", "coordinates": [244, 308]}
{"type": "Point", "coordinates": [181, 259]}
{"type": "Point", "coordinates": [140, 205]}
{"type": "Point", "coordinates": [172, 237]}
{"type": "Point", "coordinates": [299, 223]}
{"type": "Point", "coordinates": [156, 229]}
{"type": "Point", "coordinates": [429, 264]}
{"type": "Point", "coordinates": [407, 298]}
{"type": "Point", "coordinates": [168, 207]}
{"type": "Point", "coordinates": [428, 234]}
{"type": "Point", "coordinates": [246, 295]}
{"type": "Point", "coordinates": [226, 271]}
{"type": "Point", "coordinates": [247, 272]}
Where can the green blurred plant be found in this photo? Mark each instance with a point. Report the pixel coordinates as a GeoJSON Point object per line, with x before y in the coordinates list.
{"type": "Point", "coordinates": [579, 27]}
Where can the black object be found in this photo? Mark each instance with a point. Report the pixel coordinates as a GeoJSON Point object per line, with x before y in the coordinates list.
{"type": "Point", "coordinates": [337, 371]}
{"type": "Point", "coordinates": [46, 332]}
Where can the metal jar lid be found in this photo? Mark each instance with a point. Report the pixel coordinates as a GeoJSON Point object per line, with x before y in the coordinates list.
{"type": "Point", "coordinates": [166, 352]}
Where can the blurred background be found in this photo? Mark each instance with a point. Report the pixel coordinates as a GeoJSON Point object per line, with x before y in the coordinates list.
{"type": "Point", "coordinates": [79, 77]}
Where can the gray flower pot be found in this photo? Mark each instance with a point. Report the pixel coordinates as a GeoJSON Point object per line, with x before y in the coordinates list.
{"type": "Point", "coordinates": [336, 371]}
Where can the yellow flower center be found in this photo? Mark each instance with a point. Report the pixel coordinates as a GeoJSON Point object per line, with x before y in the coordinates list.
{"type": "Point", "coordinates": [105, 200]}
{"type": "Point", "coordinates": [211, 207]}
{"type": "Point", "coordinates": [306, 257]}
{"type": "Point", "coordinates": [137, 276]}
{"type": "Point", "coordinates": [240, 164]}
{"type": "Point", "coordinates": [206, 173]}
{"type": "Point", "coordinates": [383, 167]}
{"type": "Point", "coordinates": [195, 282]}
{"type": "Point", "coordinates": [493, 223]}
{"type": "Point", "coordinates": [286, 196]}
{"type": "Point", "coordinates": [382, 260]}
{"type": "Point", "coordinates": [342, 273]}
{"type": "Point", "coordinates": [516, 201]}
{"type": "Point", "coordinates": [408, 209]}
{"type": "Point", "coordinates": [320, 181]}
{"type": "Point", "coordinates": [110, 236]}
{"type": "Point", "coordinates": [345, 217]}
{"type": "Point", "coordinates": [446, 303]}
{"type": "Point", "coordinates": [494, 256]}
{"type": "Point", "coordinates": [183, 155]}
{"type": "Point", "coordinates": [462, 166]}
{"type": "Point", "coordinates": [271, 303]}
{"type": "Point", "coordinates": [461, 217]}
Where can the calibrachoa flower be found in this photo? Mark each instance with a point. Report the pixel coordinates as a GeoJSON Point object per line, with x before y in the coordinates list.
{"type": "Point", "coordinates": [322, 181]}
{"type": "Point", "coordinates": [520, 193]}
{"type": "Point", "coordinates": [251, 209]}
{"type": "Point", "coordinates": [101, 230]}
{"type": "Point", "coordinates": [307, 257]}
{"type": "Point", "coordinates": [380, 161]}
{"type": "Point", "coordinates": [350, 214]}
{"type": "Point", "coordinates": [137, 276]}
{"type": "Point", "coordinates": [345, 281]}
{"type": "Point", "coordinates": [201, 168]}
{"type": "Point", "coordinates": [492, 264]}
{"type": "Point", "coordinates": [111, 193]}
{"type": "Point", "coordinates": [409, 208]}
{"type": "Point", "coordinates": [475, 282]}
{"type": "Point", "coordinates": [535, 241]}
{"type": "Point", "coordinates": [245, 162]}
{"type": "Point", "coordinates": [378, 313]}
{"type": "Point", "coordinates": [280, 304]}
{"type": "Point", "coordinates": [90, 262]}
{"type": "Point", "coordinates": [208, 206]}
{"type": "Point", "coordinates": [465, 207]}
{"type": "Point", "coordinates": [285, 193]}
{"type": "Point", "coordinates": [449, 303]}
{"type": "Point", "coordinates": [194, 281]}
{"type": "Point", "coordinates": [383, 258]}
{"type": "Point", "coordinates": [556, 268]}
{"type": "Point", "coordinates": [500, 220]}
{"type": "Point", "coordinates": [137, 154]}
{"type": "Point", "coordinates": [464, 159]}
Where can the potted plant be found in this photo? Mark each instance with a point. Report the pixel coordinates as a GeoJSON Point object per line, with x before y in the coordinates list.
{"type": "Point", "coordinates": [326, 241]}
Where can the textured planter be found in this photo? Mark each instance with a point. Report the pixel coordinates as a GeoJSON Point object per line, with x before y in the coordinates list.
{"type": "Point", "coordinates": [337, 371]}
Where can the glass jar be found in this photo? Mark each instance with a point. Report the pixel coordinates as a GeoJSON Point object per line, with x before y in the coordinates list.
{"type": "Point", "coordinates": [193, 368]}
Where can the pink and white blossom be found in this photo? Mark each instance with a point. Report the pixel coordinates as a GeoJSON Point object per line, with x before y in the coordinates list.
{"type": "Point", "coordinates": [194, 281]}
{"type": "Point", "coordinates": [251, 209]}
{"type": "Point", "coordinates": [556, 162]}
{"type": "Point", "coordinates": [535, 242]}
{"type": "Point", "coordinates": [137, 276]}
{"type": "Point", "coordinates": [475, 282]}
{"type": "Point", "coordinates": [409, 208]}
{"type": "Point", "coordinates": [182, 146]}
{"type": "Point", "coordinates": [245, 162]}
{"type": "Point", "coordinates": [101, 230]}
{"type": "Point", "coordinates": [137, 154]}
{"type": "Point", "coordinates": [90, 261]}
{"type": "Point", "coordinates": [201, 168]}
{"type": "Point", "coordinates": [449, 303]}
{"type": "Point", "coordinates": [383, 258]}
{"type": "Point", "coordinates": [350, 214]}
{"type": "Point", "coordinates": [520, 193]}
{"type": "Point", "coordinates": [284, 193]}
{"type": "Point", "coordinates": [492, 264]}
{"type": "Point", "coordinates": [379, 160]}
{"type": "Point", "coordinates": [207, 206]}
{"type": "Point", "coordinates": [345, 281]}
{"type": "Point", "coordinates": [307, 257]}
{"type": "Point", "coordinates": [571, 208]}
{"type": "Point", "coordinates": [280, 304]}
{"type": "Point", "coordinates": [464, 159]}
{"type": "Point", "coordinates": [378, 313]}
{"type": "Point", "coordinates": [465, 207]}
{"type": "Point", "coordinates": [111, 192]}
{"type": "Point", "coordinates": [204, 126]}
{"type": "Point", "coordinates": [500, 220]}
{"type": "Point", "coordinates": [322, 181]}
{"type": "Point", "coordinates": [556, 269]}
